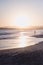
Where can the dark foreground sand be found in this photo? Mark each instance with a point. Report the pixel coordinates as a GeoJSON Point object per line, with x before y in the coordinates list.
{"type": "Point", "coordinates": [32, 55]}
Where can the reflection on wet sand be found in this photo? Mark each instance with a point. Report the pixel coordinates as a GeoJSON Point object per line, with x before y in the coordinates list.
{"type": "Point", "coordinates": [18, 40]}
{"type": "Point", "coordinates": [22, 40]}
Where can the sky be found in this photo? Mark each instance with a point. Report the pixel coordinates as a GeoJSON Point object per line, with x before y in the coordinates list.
{"type": "Point", "coordinates": [13, 12]}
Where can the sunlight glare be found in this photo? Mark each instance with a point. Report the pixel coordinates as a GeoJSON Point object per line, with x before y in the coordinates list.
{"type": "Point", "coordinates": [23, 40]}
{"type": "Point", "coordinates": [22, 21]}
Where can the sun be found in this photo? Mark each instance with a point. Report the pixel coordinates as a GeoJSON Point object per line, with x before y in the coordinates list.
{"type": "Point", "coordinates": [21, 22]}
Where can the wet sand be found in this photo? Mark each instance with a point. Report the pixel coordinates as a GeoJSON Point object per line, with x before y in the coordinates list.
{"type": "Point", "coordinates": [38, 36]}
{"type": "Point", "coordinates": [32, 55]}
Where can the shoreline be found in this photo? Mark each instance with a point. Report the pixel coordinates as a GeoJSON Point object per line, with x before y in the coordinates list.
{"type": "Point", "coordinates": [23, 48]}
{"type": "Point", "coordinates": [38, 36]}
{"type": "Point", "coordinates": [31, 55]}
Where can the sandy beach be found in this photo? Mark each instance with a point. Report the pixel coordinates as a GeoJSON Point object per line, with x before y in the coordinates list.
{"type": "Point", "coordinates": [32, 55]}
{"type": "Point", "coordinates": [21, 32]}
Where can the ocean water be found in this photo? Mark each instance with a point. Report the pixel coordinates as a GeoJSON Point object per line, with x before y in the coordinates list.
{"type": "Point", "coordinates": [17, 39]}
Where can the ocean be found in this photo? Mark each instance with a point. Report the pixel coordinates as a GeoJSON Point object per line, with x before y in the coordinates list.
{"type": "Point", "coordinates": [13, 38]}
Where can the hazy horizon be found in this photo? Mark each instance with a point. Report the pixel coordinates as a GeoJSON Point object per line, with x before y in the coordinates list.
{"type": "Point", "coordinates": [13, 12]}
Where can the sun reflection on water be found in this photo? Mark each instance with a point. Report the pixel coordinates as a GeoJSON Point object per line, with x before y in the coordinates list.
{"type": "Point", "coordinates": [22, 40]}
